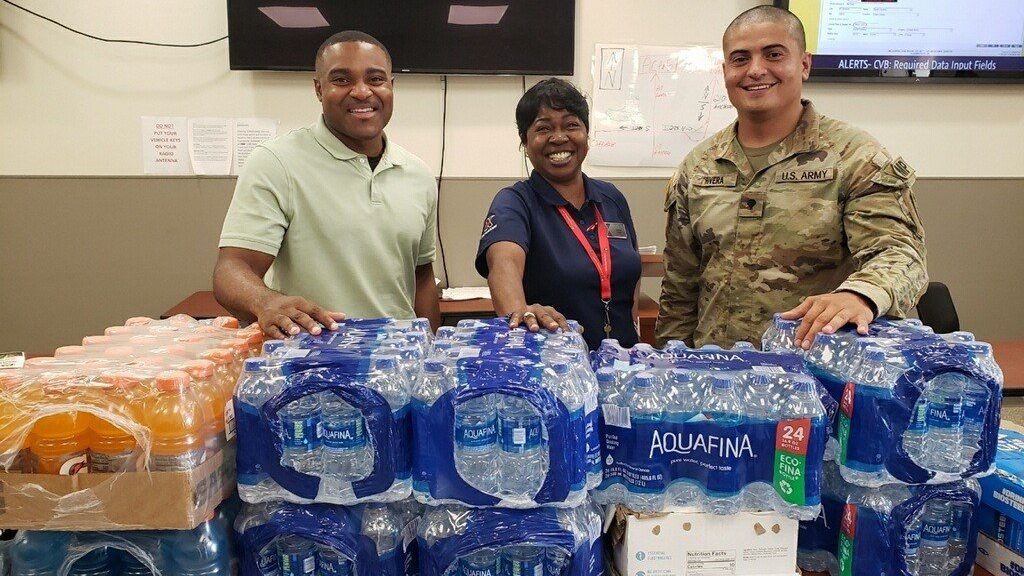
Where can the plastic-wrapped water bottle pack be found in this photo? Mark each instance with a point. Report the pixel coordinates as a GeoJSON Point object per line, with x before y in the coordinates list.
{"type": "Point", "coordinates": [460, 541]}
{"type": "Point", "coordinates": [284, 539]}
{"type": "Point", "coordinates": [915, 407]}
{"type": "Point", "coordinates": [205, 550]}
{"type": "Point", "coordinates": [710, 429]}
{"type": "Point", "coordinates": [926, 530]}
{"type": "Point", "coordinates": [326, 418]}
{"type": "Point", "coordinates": [505, 418]}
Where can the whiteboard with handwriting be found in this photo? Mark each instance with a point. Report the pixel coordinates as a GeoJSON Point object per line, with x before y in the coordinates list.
{"type": "Point", "coordinates": [653, 104]}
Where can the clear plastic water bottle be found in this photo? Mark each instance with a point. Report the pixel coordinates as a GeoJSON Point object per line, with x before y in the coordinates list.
{"type": "Point", "coordinates": [433, 382]}
{"type": "Point", "coordinates": [944, 421]}
{"type": "Point", "coordinates": [563, 381]}
{"type": "Point", "coordinates": [390, 382]}
{"type": "Point", "coordinates": [476, 442]}
{"type": "Point", "coordinates": [722, 405]}
{"type": "Point", "coordinates": [912, 545]}
{"type": "Point", "coordinates": [302, 434]}
{"type": "Point", "coordinates": [960, 531]}
{"type": "Point", "coordinates": [985, 360]}
{"type": "Point", "coordinates": [296, 556]}
{"type": "Point", "coordinates": [682, 397]}
{"type": "Point", "coordinates": [38, 553]}
{"type": "Point", "coordinates": [609, 389]}
{"type": "Point", "coordinates": [935, 530]}
{"type": "Point", "coordinates": [757, 398]}
{"type": "Point", "coordinates": [97, 562]}
{"type": "Point", "coordinates": [250, 516]}
{"type": "Point", "coordinates": [646, 407]}
{"type": "Point", "coordinates": [555, 560]}
{"type": "Point", "coordinates": [381, 526]}
{"type": "Point", "coordinates": [522, 561]}
{"type": "Point", "coordinates": [347, 455]}
{"type": "Point", "coordinates": [523, 455]}
{"type": "Point", "coordinates": [780, 334]}
{"type": "Point", "coordinates": [444, 333]}
{"type": "Point", "coordinates": [875, 377]}
{"type": "Point", "coordinates": [255, 386]}
{"type": "Point", "coordinates": [975, 408]}
{"type": "Point", "coordinates": [482, 562]}
{"type": "Point", "coordinates": [202, 551]}
{"type": "Point", "coordinates": [330, 562]}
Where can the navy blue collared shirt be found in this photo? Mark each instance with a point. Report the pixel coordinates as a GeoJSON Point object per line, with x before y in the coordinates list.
{"type": "Point", "coordinates": [558, 271]}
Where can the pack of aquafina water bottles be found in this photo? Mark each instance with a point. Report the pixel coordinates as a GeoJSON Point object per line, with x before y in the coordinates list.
{"type": "Point", "coordinates": [326, 418]}
{"type": "Point", "coordinates": [914, 407]}
{"type": "Point", "coordinates": [923, 530]}
{"type": "Point", "coordinates": [505, 418]}
{"type": "Point", "coordinates": [285, 539]}
{"type": "Point", "coordinates": [459, 541]}
{"type": "Point", "coordinates": [710, 429]}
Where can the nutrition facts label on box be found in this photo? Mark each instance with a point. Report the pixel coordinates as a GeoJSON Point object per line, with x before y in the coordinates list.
{"type": "Point", "coordinates": [711, 563]}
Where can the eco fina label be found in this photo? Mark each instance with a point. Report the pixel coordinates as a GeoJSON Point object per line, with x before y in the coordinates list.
{"type": "Point", "coordinates": [847, 535]}
{"type": "Point", "coordinates": [845, 417]}
{"type": "Point", "coordinates": [790, 471]}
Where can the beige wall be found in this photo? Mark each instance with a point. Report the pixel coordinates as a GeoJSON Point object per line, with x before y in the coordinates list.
{"type": "Point", "coordinates": [79, 254]}
{"type": "Point", "coordinates": [71, 106]}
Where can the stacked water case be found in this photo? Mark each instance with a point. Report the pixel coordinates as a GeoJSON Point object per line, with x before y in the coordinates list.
{"type": "Point", "coordinates": [918, 420]}
{"type": "Point", "coordinates": [710, 430]}
{"type": "Point", "coordinates": [141, 410]}
{"type": "Point", "coordinates": [324, 451]}
{"type": "Point", "coordinates": [506, 447]}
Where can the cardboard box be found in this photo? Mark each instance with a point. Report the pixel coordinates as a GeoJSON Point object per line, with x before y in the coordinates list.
{"type": "Point", "coordinates": [679, 543]}
{"type": "Point", "coordinates": [126, 501]}
{"type": "Point", "coordinates": [1001, 528]}
{"type": "Point", "coordinates": [1004, 490]}
{"type": "Point", "coordinates": [997, 558]}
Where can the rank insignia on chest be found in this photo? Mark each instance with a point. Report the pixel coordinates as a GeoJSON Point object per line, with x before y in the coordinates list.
{"type": "Point", "coordinates": [715, 180]}
{"type": "Point", "coordinates": [751, 205]}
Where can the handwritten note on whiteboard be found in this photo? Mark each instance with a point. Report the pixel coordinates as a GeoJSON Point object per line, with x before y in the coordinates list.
{"type": "Point", "coordinates": [653, 104]}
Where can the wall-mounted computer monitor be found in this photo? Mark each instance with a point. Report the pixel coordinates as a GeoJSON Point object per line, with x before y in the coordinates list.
{"type": "Point", "coordinates": [425, 36]}
{"type": "Point", "coordinates": [913, 40]}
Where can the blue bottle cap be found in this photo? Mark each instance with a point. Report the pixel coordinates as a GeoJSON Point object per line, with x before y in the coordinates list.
{"type": "Point", "coordinates": [721, 382]}
{"type": "Point", "coordinates": [605, 375]}
{"type": "Point", "coordinates": [254, 364]}
{"type": "Point", "coordinates": [271, 345]}
{"type": "Point", "coordinates": [433, 366]}
{"type": "Point", "coordinates": [875, 354]}
{"type": "Point", "coordinates": [681, 376]}
{"type": "Point", "coordinates": [386, 362]}
{"type": "Point", "coordinates": [644, 380]}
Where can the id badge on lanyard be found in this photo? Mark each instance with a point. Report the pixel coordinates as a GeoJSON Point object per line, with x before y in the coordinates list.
{"type": "Point", "coordinates": [603, 265]}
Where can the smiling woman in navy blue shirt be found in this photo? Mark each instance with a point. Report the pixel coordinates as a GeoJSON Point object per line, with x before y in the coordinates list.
{"type": "Point", "coordinates": [561, 245]}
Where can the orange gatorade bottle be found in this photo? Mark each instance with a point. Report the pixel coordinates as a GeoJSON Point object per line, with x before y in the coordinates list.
{"type": "Point", "coordinates": [178, 421]}
{"type": "Point", "coordinates": [210, 393]}
{"type": "Point", "coordinates": [222, 359]}
{"type": "Point", "coordinates": [115, 449]}
{"type": "Point", "coordinates": [60, 441]}
{"type": "Point", "coordinates": [13, 421]}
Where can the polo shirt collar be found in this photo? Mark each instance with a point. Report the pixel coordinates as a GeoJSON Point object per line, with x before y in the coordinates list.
{"type": "Point", "coordinates": [393, 155]}
{"type": "Point", "coordinates": [547, 192]}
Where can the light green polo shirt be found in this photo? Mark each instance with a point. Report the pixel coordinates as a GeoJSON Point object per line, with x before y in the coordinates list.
{"type": "Point", "coordinates": [343, 236]}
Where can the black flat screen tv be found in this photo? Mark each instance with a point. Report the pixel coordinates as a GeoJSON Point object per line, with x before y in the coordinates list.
{"type": "Point", "coordinates": [913, 40]}
{"type": "Point", "coordinates": [534, 37]}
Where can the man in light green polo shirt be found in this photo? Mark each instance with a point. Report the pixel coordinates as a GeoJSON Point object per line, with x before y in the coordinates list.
{"type": "Point", "coordinates": [334, 219]}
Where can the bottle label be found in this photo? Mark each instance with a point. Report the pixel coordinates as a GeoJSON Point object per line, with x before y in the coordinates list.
{"type": "Point", "coordinates": [344, 434]}
{"type": "Point", "coordinates": [305, 434]}
{"type": "Point", "coordinates": [297, 564]}
{"type": "Point", "coordinates": [532, 566]}
{"type": "Point", "coordinates": [478, 437]}
{"type": "Point", "coordinates": [917, 418]}
{"type": "Point", "coordinates": [469, 568]}
{"type": "Point", "coordinates": [333, 565]}
{"type": "Point", "coordinates": [935, 532]}
{"type": "Point", "coordinates": [790, 470]}
{"type": "Point", "coordinates": [177, 462]}
{"type": "Point", "coordinates": [945, 415]}
{"type": "Point", "coordinates": [113, 462]}
{"type": "Point", "coordinates": [845, 417]}
{"type": "Point", "coordinates": [847, 535]}
{"type": "Point", "coordinates": [75, 463]}
{"type": "Point", "coordinates": [913, 542]}
{"type": "Point", "coordinates": [520, 435]}
{"type": "Point", "coordinates": [266, 561]}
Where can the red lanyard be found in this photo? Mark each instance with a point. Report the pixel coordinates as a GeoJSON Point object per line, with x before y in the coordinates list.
{"type": "Point", "coordinates": [604, 265]}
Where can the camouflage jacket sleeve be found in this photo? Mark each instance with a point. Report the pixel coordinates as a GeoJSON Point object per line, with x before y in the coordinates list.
{"type": "Point", "coordinates": [884, 234]}
{"type": "Point", "coordinates": [677, 317]}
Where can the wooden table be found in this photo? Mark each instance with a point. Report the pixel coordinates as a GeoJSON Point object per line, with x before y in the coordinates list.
{"type": "Point", "coordinates": [1010, 357]}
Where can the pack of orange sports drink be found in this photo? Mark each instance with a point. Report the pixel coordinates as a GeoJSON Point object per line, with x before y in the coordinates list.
{"type": "Point", "coordinates": [146, 400]}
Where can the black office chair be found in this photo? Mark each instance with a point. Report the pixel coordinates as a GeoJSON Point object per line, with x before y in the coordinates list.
{"type": "Point", "coordinates": [936, 309]}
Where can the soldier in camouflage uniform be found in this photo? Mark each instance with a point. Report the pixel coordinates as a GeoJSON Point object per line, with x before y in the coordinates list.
{"type": "Point", "coordinates": [821, 224]}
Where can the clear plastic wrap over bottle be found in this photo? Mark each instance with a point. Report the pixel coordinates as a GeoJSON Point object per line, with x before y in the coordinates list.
{"type": "Point", "coordinates": [915, 407]}
{"type": "Point", "coordinates": [710, 429]}
{"type": "Point", "coordinates": [460, 541]}
{"type": "Point", "coordinates": [146, 397]}
{"type": "Point", "coordinates": [285, 539]}
{"type": "Point", "coordinates": [924, 530]}
{"type": "Point", "coordinates": [505, 418]}
{"type": "Point", "coordinates": [203, 551]}
{"type": "Point", "coordinates": [327, 418]}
